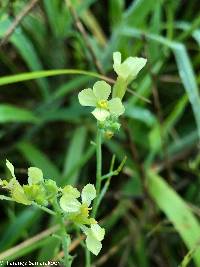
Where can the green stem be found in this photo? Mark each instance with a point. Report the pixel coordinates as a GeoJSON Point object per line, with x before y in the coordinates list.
{"type": "Point", "coordinates": [64, 236]}
{"type": "Point", "coordinates": [115, 172]}
{"type": "Point", "coordinates": [105, 188]}
{"type": "Point", "coordinates": [2, 197]}
{"type": "Point", "coordinates": [88, 258]}
{"type": "Point", "coordinates": [65, 243]}
{"type": "Point", "coordinates": [44, 208]}
{"type": "Point", "coordinates": [98, 185]}
{"type": "Point", "coordinates": [98, 171]}
{"type": "Point", "coordinates": [119, 88]}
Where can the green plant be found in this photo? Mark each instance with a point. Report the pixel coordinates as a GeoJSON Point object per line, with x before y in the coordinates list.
{"type": "Point", "coordinates": [150, 208]}
{"type": "Point", "coordinates": [44, 192]}
{"type": "Point", "coordinates": [64, 200]}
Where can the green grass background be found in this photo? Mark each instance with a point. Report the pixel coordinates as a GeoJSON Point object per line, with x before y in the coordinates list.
{"type": "Point", "coordinates": [151, 212]}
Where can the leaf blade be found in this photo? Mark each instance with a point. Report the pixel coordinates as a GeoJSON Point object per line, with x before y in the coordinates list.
{"type": "Point", "coordinates": [10, 113]}
{"type": "Point", "coordinates": [179, 213]}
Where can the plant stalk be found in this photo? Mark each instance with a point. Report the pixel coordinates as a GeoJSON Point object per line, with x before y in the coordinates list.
{"type": "Point", "coordinates": [98, 184]}
{"type": "Point", "coordinates": [64, 236]}
{"type": "Point", "coordinates": [98, 171]}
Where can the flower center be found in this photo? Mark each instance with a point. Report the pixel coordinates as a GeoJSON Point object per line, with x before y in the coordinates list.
{"type": "Point", "coordinates": [103, 104]}
{"type": "Point", "coordinates": [85, 210]}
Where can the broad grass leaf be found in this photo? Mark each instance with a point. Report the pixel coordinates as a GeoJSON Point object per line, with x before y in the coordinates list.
{"type": "Point", "coordinates": [38, 159]}
{"type": "Point", "coordinates": [10, 113]}
{"type": "Point", "coordinates": [177, 211]}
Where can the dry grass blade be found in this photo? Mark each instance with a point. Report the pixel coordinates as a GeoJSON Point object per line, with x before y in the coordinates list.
{"type": "Point", "coordinates": [18, 20]}
{"type": "Point", "coordinates": [73, 245]}
{"type": "Point", "coordinates": [28, 242]}
{"type": "Point", "coordinates": [111, 252]}
{"type": "Point", "coordinates": [83, 33]}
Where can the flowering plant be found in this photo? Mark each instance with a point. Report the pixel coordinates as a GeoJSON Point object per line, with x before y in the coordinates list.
{"type": "Point", "coordinates": [67, 203]}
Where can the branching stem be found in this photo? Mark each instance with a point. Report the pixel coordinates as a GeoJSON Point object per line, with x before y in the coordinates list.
{"type": "Point", "coordinates": [115, 172]}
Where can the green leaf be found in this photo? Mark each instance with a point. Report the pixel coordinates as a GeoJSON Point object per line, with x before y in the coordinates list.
{"type": "Point", "coordinates": [140, 113]}
{"type": "Point", "coordinates": [27, 51]}
{"type": "Point", "coordinates": [48, 249]}
{"type": "Point", "coordinates": [188, 257]}
{"type": "Point", "coordinates": [187, 141]}
{"type": "Point", "coordinates": [186, 26]}
{"type": "Point", "coordinates": [176, 211]}
{"type": "Point", "coordinates": [83, 159]}
{"type": "Point", "coordinates": [77, 144]}
{"type": "Point", "coordinates": [9, 113]}
{"type": "Point", "coordinates": [25, 248]}
{"type": "Point", "coordinates": [37, 158]}
{"type": "Point", "coordinates": [138, 11]}
{"type": "Point", "coordinates": [155, 27]}
{"type": "Point", "coordinates": [188, 78]}
{"type": "Point", "coordinates": [58, 15]}
{"type": "Point", "coordinates": [46, 73]}
{"type": "Point", "coordinates": [175, 114]}
{"type": "Point", "coordinates": [168, 124]}
{"type": "Point", "coordinates": [66, 88]}
{"type": "Point", "coordinates": [16, 229]}
{"type": "Point", "coordinates": [73, 114]}
{"type": "Point", "coordinates": [115, 11]}
{"type": "Point", "coordinates": [183, 63]}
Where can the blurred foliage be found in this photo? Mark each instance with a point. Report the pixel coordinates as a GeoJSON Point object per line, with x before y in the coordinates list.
{"type": "Point", "coordinates": [149, 221]}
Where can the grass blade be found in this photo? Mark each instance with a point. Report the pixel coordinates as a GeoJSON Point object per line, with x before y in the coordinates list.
{"type": "Point", "coordinates": [75, 151]}
{"type": "Point", "coordinates": [177, 212]}
{"type": "Point", "coordinates": [37, 158]}
{"type": "Point", "coordinates": [27, 51]}
{"type": "Point", "coordinates": [16, 229]}
{"type": "Point", "coordinates": [9, 113]}
{"type": "Point", "coordinates": [46, 73]}
{"type": "Point", "coordinates": [184, 67]}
